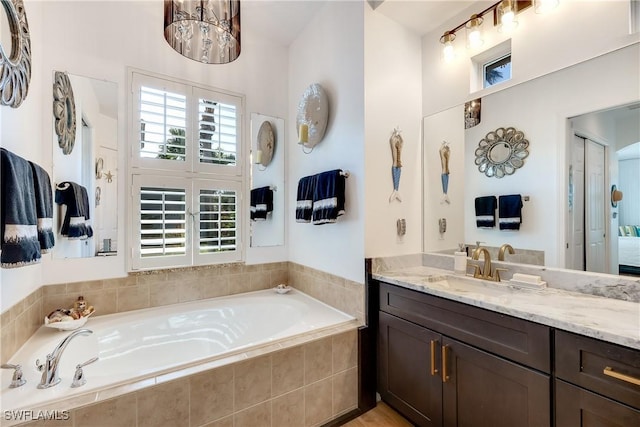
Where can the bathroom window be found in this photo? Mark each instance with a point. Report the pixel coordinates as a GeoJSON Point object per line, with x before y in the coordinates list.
{"type": "Point", "coordinates": [491, 67]}
{"type": "Point", "coordinates": [186, 174]}
{"type": "Point", "coordinates": [497, 71]}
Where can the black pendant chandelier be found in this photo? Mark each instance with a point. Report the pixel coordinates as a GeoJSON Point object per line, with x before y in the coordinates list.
{"type": "Point", "coordinates": [206, 31]}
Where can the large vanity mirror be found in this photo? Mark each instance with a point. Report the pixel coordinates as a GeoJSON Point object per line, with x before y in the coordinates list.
{"type": "Point", "coordinates": [85, 166]}
{"type": "Point", "coordinates": [594, 100]}
{"type": "Point", "coordinates": [267, 181]}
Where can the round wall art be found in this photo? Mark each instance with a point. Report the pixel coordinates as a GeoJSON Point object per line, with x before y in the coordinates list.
{"type": "Point", "coordinates": [313, 111]}
{"type": "Point", "coordinates": [266, 143]}
{"type": "Point", "coordinates": [501, 152]}
{"type": "Point", "coordinates": [64, 111]}
{"type": "Point", "coordinates": [15, 67]}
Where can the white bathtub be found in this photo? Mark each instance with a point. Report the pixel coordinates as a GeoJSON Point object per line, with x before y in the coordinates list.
{"type": "Point", "coordinates": [146, 343]}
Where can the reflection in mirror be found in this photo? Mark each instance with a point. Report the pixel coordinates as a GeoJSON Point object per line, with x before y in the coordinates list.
{"type": "Point", "coordinates": [85, 212]}
{"type": "Point", "coordinates": [549, 233]}
{"type": "Point", "coordinates": [6, 42]}
{"type": "Point", "coordinates": [267, 180]}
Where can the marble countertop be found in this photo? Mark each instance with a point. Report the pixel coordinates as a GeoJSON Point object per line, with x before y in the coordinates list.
{"type": "Point", "coordinates": [607, 319]}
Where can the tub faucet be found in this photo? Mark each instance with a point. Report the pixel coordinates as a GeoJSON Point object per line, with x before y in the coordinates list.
{"type": "Point", "coordinates": [503, 249]}
{"type": "Point", "coordinates": [50, 367]}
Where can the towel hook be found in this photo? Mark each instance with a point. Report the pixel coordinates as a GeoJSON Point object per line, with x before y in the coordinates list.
{"type": "Point", "coordinates": [345, 173]}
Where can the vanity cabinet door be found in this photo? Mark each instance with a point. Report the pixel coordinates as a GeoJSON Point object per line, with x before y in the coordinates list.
{"type": "Point", "coordinates": [577, 407]}
{"type": "Point", "coordinates": [481, 389]}
{"type": "Point", "coordinates": [409, 370]}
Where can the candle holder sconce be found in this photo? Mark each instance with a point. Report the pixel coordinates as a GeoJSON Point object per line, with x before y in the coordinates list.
{"type": "Point", "coordinates": [312, 117]}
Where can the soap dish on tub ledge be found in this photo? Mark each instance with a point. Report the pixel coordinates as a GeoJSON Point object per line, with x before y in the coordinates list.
{"type": "Point", "coordinates": [282, 289]}
{"type": "Point", "coordinates": [68, 325]}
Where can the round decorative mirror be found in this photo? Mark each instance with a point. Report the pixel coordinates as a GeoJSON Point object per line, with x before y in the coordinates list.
{"type": "Point", "coordinates": [64, 111]}
{"type": "Point", "coordinates": [15, 67]}
{"type": "Point", "coordinates": [501, 152]}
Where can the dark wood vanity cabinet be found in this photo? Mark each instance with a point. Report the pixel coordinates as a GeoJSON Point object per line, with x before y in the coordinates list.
{"type": "Point", "coordinates": [434, 378]}
{"type": "Point", "coordinates": [597, 383]}
{"type": "Point", "coordinates": [444, 363]}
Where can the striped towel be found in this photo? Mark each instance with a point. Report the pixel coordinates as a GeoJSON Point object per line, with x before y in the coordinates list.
{"type": "Point", "coordinates": [486, 211]}
{"type": "Point", "coordinates": [328, 197]}
{"type": "Point", "coordinates": [304, 203]}
{"type": "Point", "coordinates": [510, 212]}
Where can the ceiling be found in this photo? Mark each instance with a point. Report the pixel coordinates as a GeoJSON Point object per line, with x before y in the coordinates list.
{"type": "Point", "coordinates": [282, 21]}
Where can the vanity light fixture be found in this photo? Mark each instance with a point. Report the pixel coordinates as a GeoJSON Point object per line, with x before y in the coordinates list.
{"type": "Point", "coordinates": [506, 14]}
{"type": "Point", "coordinates": [206, 31]}
{"type": "Point", "coordinates": [504, 17]}
{"type": "Point", "coordinates": [448, 52]}
{"type": "Point", "coordinates": [473, 28]}
{"type": "Point", "coordinates": [544, 6]}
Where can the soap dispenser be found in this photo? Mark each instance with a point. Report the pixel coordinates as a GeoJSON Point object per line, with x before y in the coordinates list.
{"type": "Point", "coordinates": [460, 260]}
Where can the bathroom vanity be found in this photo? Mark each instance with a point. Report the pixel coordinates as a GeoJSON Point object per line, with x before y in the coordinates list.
{"type": "Point", "coordinates": [456, 351]}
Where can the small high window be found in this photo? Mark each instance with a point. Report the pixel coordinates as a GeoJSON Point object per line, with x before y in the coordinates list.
{"type": "Point", "coordinates": [496, 71]}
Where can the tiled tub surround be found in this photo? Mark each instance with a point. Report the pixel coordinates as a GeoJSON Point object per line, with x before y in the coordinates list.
{"type": "Point", "coordinates": [307, 381]}
{"type": "Point", "coordinates": [605, 318]}
{"type": "Point", "coordinates": [163, 287]}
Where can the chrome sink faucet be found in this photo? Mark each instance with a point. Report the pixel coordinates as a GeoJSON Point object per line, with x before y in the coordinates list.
{"type": "Point", "coordinates": [50, 367]}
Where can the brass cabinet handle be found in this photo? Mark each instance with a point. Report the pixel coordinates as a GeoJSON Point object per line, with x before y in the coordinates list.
{"type": "Point", "coordinates": [434, 370]}
{"type": "Point", "coordinates": [445, 374]}
{"type": "Point", "coordinates": [617, 375]}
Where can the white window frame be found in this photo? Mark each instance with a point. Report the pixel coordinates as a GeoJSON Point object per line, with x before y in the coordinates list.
{"type": "Point", "coordinates": [479, 61]}
{"type": "Point", "coordinates": [193, 93]}
{"type": "Point", "coordinates": [192, 175]}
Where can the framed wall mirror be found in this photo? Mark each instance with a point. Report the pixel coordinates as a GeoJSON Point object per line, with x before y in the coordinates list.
{"type": "Point", "coordinates": [85, 170]}
{"type": "Point", "coordinates": [267, 180]}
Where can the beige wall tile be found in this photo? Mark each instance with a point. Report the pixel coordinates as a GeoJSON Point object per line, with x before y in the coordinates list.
{"type": "Point", "coordinates": [52, 423]}
{"type": "Point", "coordinates": [345, 351]}
{"type": "Point", "coordinates": [150, 279]}
{"type": "Point", "coordinates": [260, 280]}
{"type": "Point", "coordinates": [215, 286]}
{"type": "Point", "coordinates": [345, 391]}
{"type": "Point", "coordinates": [133, 298]}
{"type": "Point", "coordinates": [104, 301]}
{"type": "Point", "coordinates": [278, 277]}
{"type": "Point", "coordinates": [211, 395]}
{"type": "Point", "coordinates": [164, 405]}
{"type": "Point", "coordinates": [53, 302]}
{"type": "Point", "coordinates": [288, 410]}
{"type": "Point", "coordinates": [287, 372]}
{"type": "Point", "coordinates": [121, 282]}
{"type": "Point", "coordinates": [190, 290]}
{"type": "Point", "coordinates": [239, 283]}
{"type": "Point", "coordinates": [224, 422]}
{"type": "Point", "coordinates": [163, 293]}
{"type": "Point", "coordinates": [317, 402]}
{"type": "Point", "coordinates": [54, 289]}
{"type": "Point", "coordinates": [8, 341]}
{"type": "Point", "coordinates": [120, 411]}
{"type": "Point", "coordinates": [317, 360]}
{"type": "Point", "coordinates": [80, 287]}
{"type": "Point", "coordinates": [256, 416]}
{"type": "Point", "coordinates": [252, 382]}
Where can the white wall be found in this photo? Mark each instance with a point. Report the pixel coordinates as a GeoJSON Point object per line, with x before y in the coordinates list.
{"type": "Point", "coordinates": [21, 132]}
{"type": "Point", "coordinates": [571, 33]}
{"type": "Point", "coordinates": [100, 39]}
{"type": "Point", "coordinates": [329, 51]}
{"type": "Point", "coordinates": [629, 177]}
{"type": "Point", "coordinates": [392, 82]}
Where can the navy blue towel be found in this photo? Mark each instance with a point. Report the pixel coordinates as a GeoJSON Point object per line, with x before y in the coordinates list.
{"type": "Point", "coordinates": [76, 220]}
{"type": "Point", "coordinates": [44, 207]}
{"type": "Point", "coordinates": [261, 203]}
{"type": "Point", "coordinates": [18, 224]}
{"type": "Point", "coordinates": [486, 211]}
{"type": "Point", "coordinates": [304, 201]}
{"type": "Point", "coordinates": [510, 212]}
{"type": "Point", "coordinates": [328, 197]}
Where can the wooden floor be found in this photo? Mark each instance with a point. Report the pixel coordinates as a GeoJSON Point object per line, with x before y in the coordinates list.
{"type": "Point", "coordinates": [380, 416]}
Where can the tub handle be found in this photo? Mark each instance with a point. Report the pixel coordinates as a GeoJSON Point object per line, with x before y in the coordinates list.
{"type": "Point", "coordinates": [17, 379]}
{"type": "Point", "coordinates": [78, 377]}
